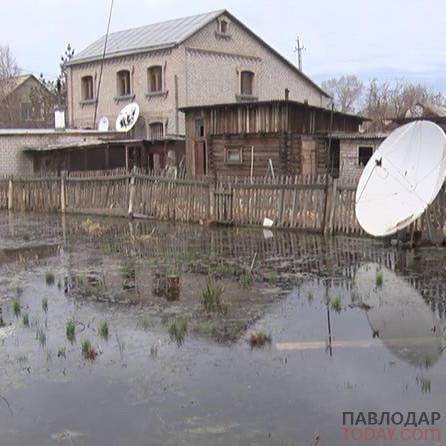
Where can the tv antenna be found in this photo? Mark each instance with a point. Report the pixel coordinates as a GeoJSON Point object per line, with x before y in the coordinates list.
{"type": "Point", "coordinates": [299, 50]}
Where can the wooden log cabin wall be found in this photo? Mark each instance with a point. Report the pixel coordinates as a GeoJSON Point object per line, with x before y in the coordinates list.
{"type": "Point", "coordinates": [240, 138]}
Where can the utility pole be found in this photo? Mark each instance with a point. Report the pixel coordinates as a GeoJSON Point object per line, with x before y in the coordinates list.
{"type": "Point", "coordinates": [299, 50]}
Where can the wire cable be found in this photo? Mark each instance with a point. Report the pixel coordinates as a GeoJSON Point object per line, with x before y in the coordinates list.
{"type": "Point", "coordinates": [102, 64]}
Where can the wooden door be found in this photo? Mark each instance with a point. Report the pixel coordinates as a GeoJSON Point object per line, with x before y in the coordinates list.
{"type": "Point", "coordinates": [200, 158]}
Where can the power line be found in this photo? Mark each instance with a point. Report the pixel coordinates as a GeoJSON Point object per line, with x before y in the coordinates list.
{"type": "Point", "coordinates": [102, 64]}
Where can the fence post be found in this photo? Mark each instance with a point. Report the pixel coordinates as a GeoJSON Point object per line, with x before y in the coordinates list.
{"type": "Point", "coordinates": [131, 195]}
{"type": "Point", "coordinates": [332, 194]}
{"type": "Point", "coordinates": [211, 202]}
{"type": "Point", "coordinates": [281, 207]}
{"type": "Point", "coordinates": [63, 202]}
{"type": "Point", "coordinates": [10, 193]}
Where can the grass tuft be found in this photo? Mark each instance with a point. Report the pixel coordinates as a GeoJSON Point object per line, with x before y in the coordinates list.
{"type": "Point", "coordinates": [259, 338]}
{"type": "Point", "coordinates": [273, 278]}
{"type": "Point", "coordinates": [103, 329]}
{"type": "Point", "coordinates": [246, 280]}
{"type": "Point", "coordinates": [335, 303]}
{"type": "Point", "coordinates": [379, 278]}
{"type": "Point", "coordinates": [41, 336]}
{"type": "Point", "coordinates": [25, 319]}
{"type": "Point", "coordinates": [70, 330]}
{"type": "Point", "coordinates": [88, 352]}
{"type": "Point", "coordinates": [211, 297]}
{"type": "Point", "coordinates": [16, 307]}
{"type": "Point", "coordinates": [178, 330]}
{"type": "Point", "coordinates": [50, 278]}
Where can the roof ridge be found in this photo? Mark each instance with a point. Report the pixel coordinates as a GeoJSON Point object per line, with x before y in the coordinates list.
{"type": "Point", "coordinates": [220, 11]}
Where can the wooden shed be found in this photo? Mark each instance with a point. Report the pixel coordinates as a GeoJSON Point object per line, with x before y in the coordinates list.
{"type": "Point", "coordinates": [253, 137]}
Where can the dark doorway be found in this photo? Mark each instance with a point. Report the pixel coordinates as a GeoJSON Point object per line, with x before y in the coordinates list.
{"type": "Point", "coordinates": [200, 148]}
{"type": "Point", "coordinates": [334, 158]}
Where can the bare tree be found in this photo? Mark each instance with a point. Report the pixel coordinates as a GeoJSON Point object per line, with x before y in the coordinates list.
{"type": "Point", "coordinates": [61, 80]}
{"type": "Point", "coordinates": [385, 101]}
{"type": "Point", "coordinates": [346, 92]}
{"type": "Point", "coordinates": [8, 72]}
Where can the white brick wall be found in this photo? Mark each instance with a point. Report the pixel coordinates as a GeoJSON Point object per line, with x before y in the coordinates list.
{"type": "Point", "coordinates": [13, 159]}
{"type": "Point", "coordinates": [349, 156]}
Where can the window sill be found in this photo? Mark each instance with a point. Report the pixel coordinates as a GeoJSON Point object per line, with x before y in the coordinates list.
{"type": "Point", "coordinates": [88, 102]}
{"type": "Point", "coordinates": [156, 94]}
{"type": "Point", "coordinates": [221, 35]}
{"type": "Point", "coordinates": [245, 98]}
{"type": "Point", "coordinates": [126, 97]}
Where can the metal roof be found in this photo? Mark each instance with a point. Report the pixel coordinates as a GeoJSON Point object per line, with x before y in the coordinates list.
{"type": "Point", "coordinates": [149, 37]}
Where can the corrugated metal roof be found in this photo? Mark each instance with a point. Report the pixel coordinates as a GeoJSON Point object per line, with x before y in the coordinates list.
{"type": "Point", "coordinates": [149, 37]}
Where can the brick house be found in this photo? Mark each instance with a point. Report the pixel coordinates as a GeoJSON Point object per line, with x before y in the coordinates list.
{"type": "Point", "coordinates": [25, 103]}
{"type": "Point", "coordinates": [210, 58]}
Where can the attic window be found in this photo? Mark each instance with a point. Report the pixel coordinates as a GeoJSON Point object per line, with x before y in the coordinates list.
{"type": "Point", "coordinates": [223, 29]}
{"type": "Point", "coordinates": [364, 154]}
{"type": "Point", "coordinates": [87, 88]}
{"type": "Point", "coordinates": [223, 26]}
{"type": "Point", "coordinates": [123, 83]}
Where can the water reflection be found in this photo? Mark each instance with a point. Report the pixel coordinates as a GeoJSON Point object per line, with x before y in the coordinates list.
{"type": "Point", "coordinates": [399, 316]}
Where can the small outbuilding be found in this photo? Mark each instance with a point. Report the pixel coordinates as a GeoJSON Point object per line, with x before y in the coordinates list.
{"type": "Point", "coordinates": [254, 138]}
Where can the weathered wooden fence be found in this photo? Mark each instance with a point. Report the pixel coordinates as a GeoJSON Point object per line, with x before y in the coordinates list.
{"type": "Point", "coordinates": [171, 199]}
{"type": "Point", "coordinates": [318, 204]}
{"type": "Point", "coordinates": [4, 187]}
{"type": "Point", "coordinates": [108, 195]}
{"type": "Point", "coordinates": [34, 194]}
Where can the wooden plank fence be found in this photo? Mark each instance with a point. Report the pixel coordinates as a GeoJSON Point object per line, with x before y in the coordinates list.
{"type": "Point", "coordinates": [318, 204]}
{"type": "Point", "coordinates": [108, 195]}
{"type": "Point", "coordinates": [35, 194]}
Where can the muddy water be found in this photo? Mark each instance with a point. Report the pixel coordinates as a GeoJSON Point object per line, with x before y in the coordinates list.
{"type": "Point", "coordinates": [341, 339]}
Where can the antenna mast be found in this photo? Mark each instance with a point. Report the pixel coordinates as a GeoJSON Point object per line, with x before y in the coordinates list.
{"type": "Point", "coordinates": [299, 50]}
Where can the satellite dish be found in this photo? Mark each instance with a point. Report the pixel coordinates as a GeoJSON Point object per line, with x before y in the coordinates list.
{"type": "Point", "coordinates": [103, 124]}
{"type": "Point", "coordinates": [127, 117]}
{"type": "Point", "coordinates": [399, 316]}
{"type": "Point", "coordinates": [402, 178]}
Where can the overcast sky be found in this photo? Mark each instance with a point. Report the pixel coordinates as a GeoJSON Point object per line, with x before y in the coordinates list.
{"type": "Point", "coordinates": [385, 39]}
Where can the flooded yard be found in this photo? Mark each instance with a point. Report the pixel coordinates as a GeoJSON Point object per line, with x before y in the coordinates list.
{"type": "Point", "coordinates": [146, 333]}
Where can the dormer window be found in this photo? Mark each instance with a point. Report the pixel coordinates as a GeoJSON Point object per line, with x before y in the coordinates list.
{"type": "Point", "coordinates": [123, 83]}
{"type": "Point", "coordinates": [87, 88]}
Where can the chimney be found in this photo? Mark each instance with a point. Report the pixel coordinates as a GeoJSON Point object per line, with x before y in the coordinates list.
{"type": "Point", "coordinates": [287, 94]}
{"type": "Point", "coordinates": [59, 117]}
